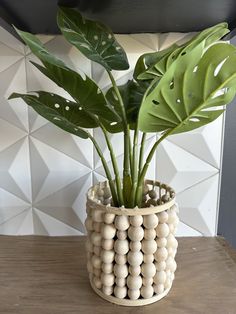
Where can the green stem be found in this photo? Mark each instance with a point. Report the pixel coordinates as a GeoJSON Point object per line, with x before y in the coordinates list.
{"type": "Point", "coordinates": [107, 171]}
{"type": "Point", "coordinates": [126, 166]}
{"type": "Point", "coordinates": [138, 196]}
{"type": "Point", "coordinates": [134, 166]}
{"type": "Point", "coordinates": [141, 153]}
{"type": "Point", "coordinates": [114, 164]}
{"type": "Point", "coordinates": [141, 174]}
{"type": "Point", "coordinates": [130, 157]}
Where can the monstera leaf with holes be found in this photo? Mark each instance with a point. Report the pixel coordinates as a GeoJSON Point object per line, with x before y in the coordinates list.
{"type": "Point", "coordinates": [80, 87]}
{"type": "Point", "coordinates": [173, 91]}
{"type": "Point", "coordinates": [192, 91]}
{"type": "Point", "coordinates": [95, 40]}
{"type": "Point", "coordinates": [66, 114]}
{"type": "Point", "coordinates": [154, 65]}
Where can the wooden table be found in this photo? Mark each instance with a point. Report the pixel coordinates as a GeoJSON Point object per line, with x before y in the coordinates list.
{"type": "Point", "coordinates": [47, 275]}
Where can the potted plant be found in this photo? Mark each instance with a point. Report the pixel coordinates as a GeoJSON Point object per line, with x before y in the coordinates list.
{"type": "Point", "coordinates": [131, 220]}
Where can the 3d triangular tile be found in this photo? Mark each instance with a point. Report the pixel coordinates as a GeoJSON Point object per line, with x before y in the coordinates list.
{"type": "Point", "coordinates": [167, 39]}
{"type": "Point", "coordinates": [13, 79]}
{"type": "Point", "coordinates": [7, 182]}
{"type": "Point", "coordinates": [39, 170]}
{"type": "Point", "coordinates": [185, 231]}
{"type": "Point", "coordinates": [149, 40]}
{"type": "Point", "coordinates": [204, 143]}
{"type": "Point", "coordinates": [199, 206]}
{"type": "Point", "coordinates": [14, 134]}
{"type": "Point", "coordinates": [63, 170]}
{"type": "Point", "coordinates": [12, 225]}
{"type": "Point", "coordinates": [27, 227]}
{"type": "Point", "coordinates": [39, 228]}
{"type": "Point", "coordinates": [9, 40]}
{"type": "Point", "coordinates": [55, 227]}
{"type": "Point", "coordinates": [10, 205]}
{"type": "Point", "coordinates": [8, 57]}
{"type": "Point", "coordinates": [73, 146]}
{"type": "Point", "coordinates": [65, 215]}
{"type": "Point", "coordinates": [179, 168]}
{"type": "Point", "coordinates": [69, 54]}
{"type": "Point", "coordinates": [20, 169]}
{"type": "Point", "coordinates": [97, 177]}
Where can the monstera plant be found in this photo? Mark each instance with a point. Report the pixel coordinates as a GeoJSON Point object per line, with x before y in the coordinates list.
{"type": "Point", "coordinates": [172, 91]}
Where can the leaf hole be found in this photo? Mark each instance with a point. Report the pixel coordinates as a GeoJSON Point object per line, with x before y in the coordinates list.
{"type": "Point", "coordinates": [173, 57]}
{"type": "Point", "coordinates": [113, 123]}
{"type": "Point", "coordinates": [56, 118]}
{"type": "Point", "coordinates": [84, 45]}
{"type": "Point", "coordinates": [195, 69]}
{"type": "Point", "coordinates": [178, 100]}
{"type": "Point", "coordinates": [95, 37]}
{"type": "Point", "coordinates": [155, 102]}
{"type": "Point", "coordinates": [194, 120]}
{"type": "Point", "coordinates": [183, 53]}
{"type": "Point", "coordinates": [172, 85]}
{"type": "Point", "coordinates": [57, 106]}
{"type": "Point", "coordinates": [67, 108]}
{"type": "Point", "coordinates": [219, 66]}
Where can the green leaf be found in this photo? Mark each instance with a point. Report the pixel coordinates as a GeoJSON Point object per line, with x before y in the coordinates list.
{"type": "Point", "coordinates": [95, 40]}
{"type": "Point", "coordinates": [132, 94]}
{"type": "Point", "coordinates": [62, 112]}
{"type": "Point", "coordinates": [156, 64]}
{"type": "Point", "coordinates": [81, 88]}
{"type": "Point", "coordinates": [147, 60]}
{"type": "Point", "coordinates": [189, 94]}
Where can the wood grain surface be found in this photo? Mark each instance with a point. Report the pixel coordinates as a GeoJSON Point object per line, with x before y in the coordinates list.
{"type": "Point", "coordinates": [46, 275]}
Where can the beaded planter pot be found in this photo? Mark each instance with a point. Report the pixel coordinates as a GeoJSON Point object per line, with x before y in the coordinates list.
{"type": "Point", "coordinates": [131, 252]}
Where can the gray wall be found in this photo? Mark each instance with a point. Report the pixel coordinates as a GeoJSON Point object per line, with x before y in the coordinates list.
{"type": "Point", "coordinates": [227, 212]}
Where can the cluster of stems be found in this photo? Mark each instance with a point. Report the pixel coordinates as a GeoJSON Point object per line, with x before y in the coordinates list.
{"type": "Point", "coordinates": [127, 192]}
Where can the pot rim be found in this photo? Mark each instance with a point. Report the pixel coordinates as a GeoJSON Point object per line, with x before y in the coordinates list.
{"type": "Point", "coordinates": [96, 204]}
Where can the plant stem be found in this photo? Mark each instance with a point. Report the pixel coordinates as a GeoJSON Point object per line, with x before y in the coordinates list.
{"type": "Point", "coordinates": [114, 164]}
{"type": "Point", "coordinates": [134, 166]}
{"type": "Point", "coordinates": [141, 153]}
{"type": "Point", "coordinates": [130, 157]}
{"type": "Point", "coordinates": [126, 166]}
{"type": "Point", "coordinates": [107, 171]}
{"type": "Point", "coordinates": [138, 195]}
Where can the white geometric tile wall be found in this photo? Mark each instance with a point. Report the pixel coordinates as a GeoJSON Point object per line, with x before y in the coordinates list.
{"type": "Point", "coordinates": [45, 172]}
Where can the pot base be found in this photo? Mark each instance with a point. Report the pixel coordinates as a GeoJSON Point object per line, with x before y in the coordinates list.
{"type": "Point", "coordinates": [127, 302]}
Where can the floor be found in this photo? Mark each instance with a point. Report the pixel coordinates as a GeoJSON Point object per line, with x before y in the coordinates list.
{"type": "Point", "coordinates": [47, 275]}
